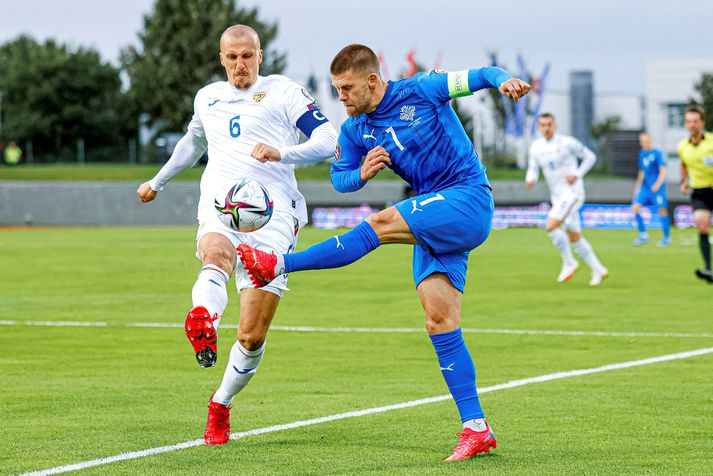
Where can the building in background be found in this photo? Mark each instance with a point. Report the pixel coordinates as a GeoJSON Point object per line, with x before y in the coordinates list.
{"type": "Point", "coordinates": [581, 106]}
{"type": "Point", "coordinates": [670, 87]}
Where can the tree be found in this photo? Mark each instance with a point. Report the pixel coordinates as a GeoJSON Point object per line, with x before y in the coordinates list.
{"type": "Point", "coordinates": [600, 129]}
{"type": "Point", "coordinates": [179, 55]}
{"type": "Point", "coordinates": [705, 89]}
{"type": "Point", "coordinates": [54, 96]}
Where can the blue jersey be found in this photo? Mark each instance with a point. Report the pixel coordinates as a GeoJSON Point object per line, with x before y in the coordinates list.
{"type": "Point", "coordinates": [416, 125]}
{"type": "Point", "coordinates": [650, 162]}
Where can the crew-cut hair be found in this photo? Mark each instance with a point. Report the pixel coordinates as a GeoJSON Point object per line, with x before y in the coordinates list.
{"type": "Point", "coordinates": [355, 57]}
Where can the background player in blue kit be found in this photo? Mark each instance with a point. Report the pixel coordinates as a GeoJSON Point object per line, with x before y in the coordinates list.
{"type": "Point", "coordinates": [650, 190]}
{"type": "Point", "coordinates": [409, 126]}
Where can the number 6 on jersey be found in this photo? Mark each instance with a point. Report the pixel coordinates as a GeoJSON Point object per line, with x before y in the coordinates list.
{"type": "Point", "coordinates": [234, 127]}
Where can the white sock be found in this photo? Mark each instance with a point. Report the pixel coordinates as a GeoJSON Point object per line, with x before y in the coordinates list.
{"type": "Point", "coordinates": [559, 239]}
{"type": "Point", "coordinates": [240, 369]}
{"type": "Point", "coordinates": [476, 424]}
{"type": "Point", "coordinates": [585, 250]}
{"type": "Point", "coordinates": [211, 292]}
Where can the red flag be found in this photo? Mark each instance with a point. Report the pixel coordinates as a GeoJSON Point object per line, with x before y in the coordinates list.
{"type": "Point", "coordinates": [412, 68]}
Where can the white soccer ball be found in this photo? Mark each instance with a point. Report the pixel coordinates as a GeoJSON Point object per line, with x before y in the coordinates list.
{"type": "Point", "coordinates": [245, 207]}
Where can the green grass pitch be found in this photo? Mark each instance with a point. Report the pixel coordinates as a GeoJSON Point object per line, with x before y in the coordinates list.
{"type": "Point", "coordinates": [72, 394]}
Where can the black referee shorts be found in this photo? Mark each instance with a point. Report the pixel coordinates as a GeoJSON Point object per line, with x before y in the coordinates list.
{"type": "Point", "coordinates": [702, 199]}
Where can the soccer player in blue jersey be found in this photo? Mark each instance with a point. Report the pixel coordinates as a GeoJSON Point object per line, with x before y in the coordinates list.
{"type": "Point", "coordinates": [410, 127]}
{"type": "Point", "coordinates": [650, 190]}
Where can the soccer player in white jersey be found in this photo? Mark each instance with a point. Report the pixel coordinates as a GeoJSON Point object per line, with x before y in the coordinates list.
{"type": "Point", "coordinates": [237, 121]}
{"type": "Point", "coordinates": [564, 162]}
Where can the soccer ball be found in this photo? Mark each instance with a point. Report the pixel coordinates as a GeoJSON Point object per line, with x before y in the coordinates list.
{"type": "Point", "coordinates": [246, 207]}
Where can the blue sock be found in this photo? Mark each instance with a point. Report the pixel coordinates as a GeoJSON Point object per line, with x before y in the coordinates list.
{"type": "Point", "coordinates": [640, 223]}
{"type": "Point", "coordinates": [665, 225]}
{"type": "Point", "coordinates": [458, 370]}
{"type": "Point", "coordinates": [338, 251]}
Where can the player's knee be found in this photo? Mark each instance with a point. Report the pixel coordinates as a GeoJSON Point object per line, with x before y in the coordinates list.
{"type": "Point", "coordinates": [382, 219]}
{"type": "Point", "coordinates": [251, 340]}
{"type": "Point", "coordinates": [220, 257]}
{"type": "Point", "coordinates": [440, 320]}
{"type": "Point", "coordinates": [663, 212]}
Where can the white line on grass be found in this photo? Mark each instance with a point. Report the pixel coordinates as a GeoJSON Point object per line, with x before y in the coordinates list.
{"type": "Point", "coordinates": [387, 330]}
{"type": "Point", "coordinates": [371, 411]}
{"type": "Point", "coordinates": [55, 323]}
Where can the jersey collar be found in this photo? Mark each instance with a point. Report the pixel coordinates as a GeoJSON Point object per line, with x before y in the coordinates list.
{"type": "Point", "coordinates": [249, 90]}
{"type": "Point", "coordinates": [384, 103]}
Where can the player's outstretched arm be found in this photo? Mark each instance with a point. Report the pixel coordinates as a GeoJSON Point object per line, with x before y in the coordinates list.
{"type": "Point", "coordinates": [187, 152]}
{"type": "Point", "coordinates": [514, 88]}
{"type": "Point", "coordinates": [442, 86]}
{"type": "Point", "coordinates": [318, 147]}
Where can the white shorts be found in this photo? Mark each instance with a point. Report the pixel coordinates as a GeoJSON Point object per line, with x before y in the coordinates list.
{"type": "Point", "coordinates": [279, 235]}
{"type": "Point", "coordinates": [565, 208]}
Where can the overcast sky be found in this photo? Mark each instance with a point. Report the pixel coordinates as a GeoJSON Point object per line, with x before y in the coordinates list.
{"type": "Point", "coordinates": [615, 39]}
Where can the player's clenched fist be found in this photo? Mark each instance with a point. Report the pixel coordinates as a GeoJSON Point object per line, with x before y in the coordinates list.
{"type": "Point", "coordinates": [514, 88]}
{"type": "Point", "coordinates": [145, 192]}
{"type": "Point", "coordinates": [265, 153]}
{"type": "Point", "coordinates": [375, 160]}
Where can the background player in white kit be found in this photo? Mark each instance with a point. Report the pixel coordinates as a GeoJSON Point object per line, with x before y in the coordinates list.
{"type": "Point", "coordinates": [246, 118]}
{"type": "Point", "coordinates": [558, 156]}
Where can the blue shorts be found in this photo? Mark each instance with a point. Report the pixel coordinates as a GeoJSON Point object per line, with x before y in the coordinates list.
{"type": "Point", "coordinates": [645, 197]}
{"type": "Point", "coordinates": [447, 225]}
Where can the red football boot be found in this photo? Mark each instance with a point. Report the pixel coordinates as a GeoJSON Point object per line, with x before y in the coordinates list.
{"type": "Point", "coordinates": [262, 267]}
{"type": "Point", "coordinates": [202, 335]}
{"type": "Point", "coordinates": [473, 442]}
{"type": "Point", "coordinates": [217, 429]}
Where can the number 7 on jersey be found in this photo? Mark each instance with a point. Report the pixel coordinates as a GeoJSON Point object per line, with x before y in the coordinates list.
{"type": "Point", "coordinates": [396, 139]}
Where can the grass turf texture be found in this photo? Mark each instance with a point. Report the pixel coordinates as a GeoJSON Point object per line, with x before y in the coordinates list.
{"type": "Point", "coordinates": [75, 394]}
{"type": "Point", "coordinates": [140, 173]}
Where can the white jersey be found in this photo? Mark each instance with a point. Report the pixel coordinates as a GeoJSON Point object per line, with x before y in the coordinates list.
{"type": "Point", "coordinates": [558, 159]}
{"type": "Point", "coordinates": [234, 120]}
{"type": "Point", "coordinates": [230, 122]}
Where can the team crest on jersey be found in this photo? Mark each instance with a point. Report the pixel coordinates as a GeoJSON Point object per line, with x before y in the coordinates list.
{"type": "Point", "coordinates": [257, 97]}
{"type": "Point", "coordinates": [337, 153]}
{"type": "Point", "coordinates": [407, 113]}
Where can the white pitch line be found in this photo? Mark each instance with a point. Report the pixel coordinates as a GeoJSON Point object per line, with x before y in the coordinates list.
{"type": "Point", "coordinates": [371, 411]}
{"type": "Point", "coordinates": [55, 323]}
{"type": "Point", "coordinates": [376, 330]}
